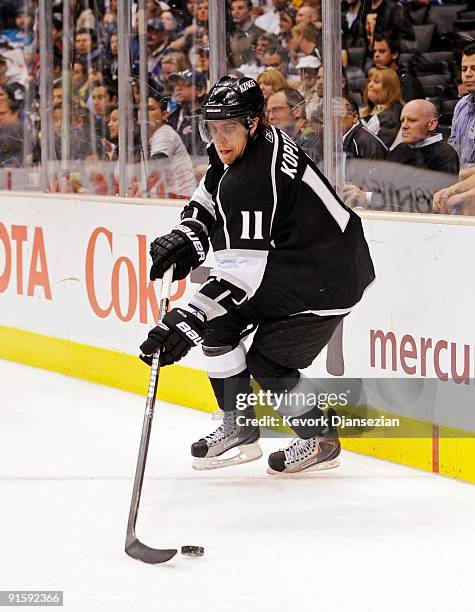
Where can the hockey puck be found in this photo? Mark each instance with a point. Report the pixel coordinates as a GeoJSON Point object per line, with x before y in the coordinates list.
{"type": "Point", "coordinates": [192, 551]}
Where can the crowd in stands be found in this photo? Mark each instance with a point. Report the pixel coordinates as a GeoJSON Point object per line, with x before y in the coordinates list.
{"type": "Point", "coordinates": [408, 81]}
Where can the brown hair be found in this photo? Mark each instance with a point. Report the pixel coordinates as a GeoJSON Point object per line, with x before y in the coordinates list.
{"type": "Point", "coordinates": [391, 91]}
{"type": "Point", "coordinates": [308, 31]}
{"type": "Point", "coordinates": [273, 77]}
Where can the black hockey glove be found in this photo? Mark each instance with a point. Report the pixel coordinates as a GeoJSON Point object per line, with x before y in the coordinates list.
{"type": "Point", "coordinates": [185, 246]}
{"type": "Point", "coordinates": [179, 331]}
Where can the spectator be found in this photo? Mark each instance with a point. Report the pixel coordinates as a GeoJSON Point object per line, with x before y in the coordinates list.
{"type": "Point", "coordinates": [254, 68]}
{"type": "Point", "coordinates": [462, 135]}
{"type": "Point", "coordinates": [306, 39]}
{"type": "Point", "coordinates": [270, 81]}
{"type": "Point", "coordinates": [201, 60]}
{"type": "Point", "coordinates": [458, 198]}
{"type": "Point", "coordinates": [386, 52]}
{"type": "Point", "coordinates": [113, 57]}
{"type": "Point", "coordinates": [358, 141]}
{"type": "Point", "coordinates": [172, 62]}
{"type": "Point", "coordinates": [81, 143]}
{"type": "Point", "coordinates": [286, 110]}
{"type": "Point", "coordinates": [157, 45]}
{"type": "Point", "coordinates": [286, 23]}
{"type": "Point", "coordinates": [166, 145]}
{"type": "Point", "coordinates": [189, 14]}
{"type": "Point", "coordinates": [309, 14]}
{"type": "Point", "coordinates": [270, 21]}
{"type": "Point", "coordinates": [202, 13]}
{"type": "Point", "coordinates": [22, 34]}
{"type": "Point", "coordinates": [110, 16]}
{"type": "Point", "coordinates": [80, 84]}
{"type": "Point", "coordinates": [86, 47]}
{"type": "Point", "coordinates": [57, 94]}
{"type": "Point", "coordinates": [152, 7]}
{"type": "Point", "coordinates": [111, 145]}
{"type": "Point", "coordinates": [169, 23]}
{"type": "Point", "coordinates": [353, 24]}
{"type": "Point", "coordinates": [421, 147]}
{"type": "Point", "coordinates": [195, 34]}
{"type": "Point", "coordinates": [383, 104]}
{"type": "Point", "coordinates": [311, 88]}
{"type": "Point", "coordinates": [9, 112]}
{"type": "Point", "coordinates": [11, 134]}
{"type": "Point", "coordinates": [243, 39]}
{"type": "Point", "coordinates": [103, 97]}
{"type": "Point", "coordinates": [276, 58]}
{"type": "Point", "coordinates": [189, 90]}
{"type": "Point", "coordinates": [391, 17]}
{"type": "Point", "coordinates": [4, 78]}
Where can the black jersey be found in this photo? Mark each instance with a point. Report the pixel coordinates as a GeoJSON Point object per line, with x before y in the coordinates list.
{"type": "Point", "coordinates": [432, 154]}
{"type": "Point", "coordinates": [281, 236]}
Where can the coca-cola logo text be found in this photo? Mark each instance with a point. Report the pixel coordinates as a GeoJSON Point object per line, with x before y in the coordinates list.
{"type": "Point", "coordinates": [130, 297]}
{"type": "Point", "coordinates": [24, 251]}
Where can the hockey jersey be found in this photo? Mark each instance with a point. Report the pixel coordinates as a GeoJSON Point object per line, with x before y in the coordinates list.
{"type": "Point", "coordinates": [281, 236]}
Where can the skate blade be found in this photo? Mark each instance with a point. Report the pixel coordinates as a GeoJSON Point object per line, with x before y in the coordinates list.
{"type": "Point", "coordinates": [247, 452]}
{"type": "Point", "coordinates": [318, 467]}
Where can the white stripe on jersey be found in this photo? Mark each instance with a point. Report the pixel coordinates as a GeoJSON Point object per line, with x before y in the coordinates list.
{"type": "Point", "coordinates": [336, 210]}
{"type": "Point", "coordinates": [272, 173]}
{"type": "Point", "coordinates": [203, 197]}
{"type": "Point", "coordinates": [218, 202]}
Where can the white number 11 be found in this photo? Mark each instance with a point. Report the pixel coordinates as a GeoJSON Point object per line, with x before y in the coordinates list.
{"type": "Point", "coordinates": [246, 215]}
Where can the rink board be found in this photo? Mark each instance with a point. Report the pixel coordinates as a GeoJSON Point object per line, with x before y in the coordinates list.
{"type": "Point", "coordinates": [75, 298]}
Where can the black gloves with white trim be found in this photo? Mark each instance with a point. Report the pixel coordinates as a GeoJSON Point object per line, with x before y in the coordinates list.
{"type": "Point", "coordinates": [186, 246]}
{"type": "Point", "coordinates": [179, 331]}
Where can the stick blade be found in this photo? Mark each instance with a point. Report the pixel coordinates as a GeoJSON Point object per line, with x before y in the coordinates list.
{"type": "Point", "coordinates": [144, 553]}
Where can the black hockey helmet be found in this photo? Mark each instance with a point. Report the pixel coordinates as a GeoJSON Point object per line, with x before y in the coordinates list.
{"type": "Point", "coordinates": [232, 97]}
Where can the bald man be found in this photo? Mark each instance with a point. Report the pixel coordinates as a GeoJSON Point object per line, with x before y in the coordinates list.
{"type": "Point", "coordinates": [421, 147]}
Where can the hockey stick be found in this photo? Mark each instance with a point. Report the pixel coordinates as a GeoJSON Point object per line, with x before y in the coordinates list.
{"type": "Point", "coordinates": [133, 547]}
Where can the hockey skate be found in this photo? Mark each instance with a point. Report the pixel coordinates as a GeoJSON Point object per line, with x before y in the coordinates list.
{"type": "Point", "coordinates": [230, 444]}
{"type": "Point", "coordinates": [312, 455]}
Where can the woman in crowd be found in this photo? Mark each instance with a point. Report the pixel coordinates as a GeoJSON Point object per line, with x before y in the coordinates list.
{"type": "Point", "coordinates": [270, 81]}
{"type": "Point", "coordinates": [172, 62]}
{"type": "Point", "coordinates": [382, 111]}
{"type": "Point", "coordinates": [170, 24]}
{"type": "Point", "coordinates": [111, 146]}
{"type": "Point", "coordinates": [286, 23]}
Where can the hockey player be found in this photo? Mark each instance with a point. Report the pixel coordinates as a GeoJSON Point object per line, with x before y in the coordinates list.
{"type": "Point", "coordinates": [292, 261]}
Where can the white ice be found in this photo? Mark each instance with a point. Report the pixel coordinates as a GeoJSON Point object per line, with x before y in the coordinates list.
{"type": "Point", "coordinates": [369, 536]}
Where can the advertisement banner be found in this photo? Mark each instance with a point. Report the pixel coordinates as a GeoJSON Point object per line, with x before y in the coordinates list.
{"type": "Point", "coordinates": [78, 270]}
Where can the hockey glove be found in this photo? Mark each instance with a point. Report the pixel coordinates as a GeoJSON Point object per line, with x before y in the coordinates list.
{"type": "Point", "coordinates": [185, 246]}
{"type": "Point", "coordinates": [179, 331]}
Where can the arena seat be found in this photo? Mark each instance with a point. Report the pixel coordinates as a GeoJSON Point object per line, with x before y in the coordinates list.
{"type": "Point", "coordinates": [356, 56]}
{"type": "Point", "coordinates": [447, 106]}
{"type": "Point", "coordinates": [430, 81]}
{"type": "Point", "coordinates": [423, 38]}
{"type": "Point", "coordinates": [466, 15]}
{"type": "Point", "coordinates": [443, 17]}
{"type": "Point", "coordinates": [462, 25]}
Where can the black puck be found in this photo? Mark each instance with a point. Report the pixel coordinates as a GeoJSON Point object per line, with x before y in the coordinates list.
{"type": "Point", "coordinates": [192, 551]}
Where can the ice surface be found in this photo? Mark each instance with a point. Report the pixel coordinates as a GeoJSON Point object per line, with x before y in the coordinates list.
{"type": "Point", "coordinates": [369, 536]}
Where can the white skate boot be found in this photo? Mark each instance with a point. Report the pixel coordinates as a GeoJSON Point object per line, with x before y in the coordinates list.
{"type": "Point", "coordinates": [314, 454]}
{"type": "Point", "coordinates": [230, 444]}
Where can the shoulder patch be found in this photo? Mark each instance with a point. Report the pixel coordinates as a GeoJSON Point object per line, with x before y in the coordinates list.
{"type": "Point", "coordinates": [269, 136]}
